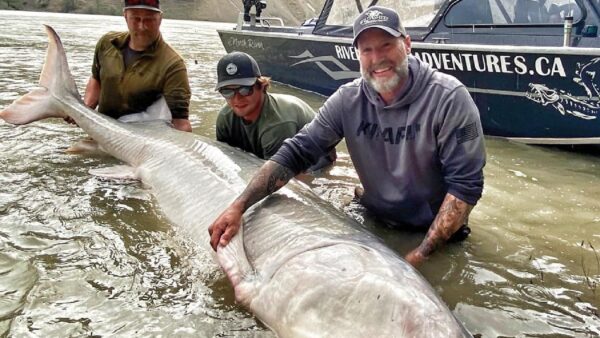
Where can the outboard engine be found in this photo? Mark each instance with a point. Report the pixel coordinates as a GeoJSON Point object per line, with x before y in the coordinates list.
{"type": "Point", "coordinates": [259, 5]}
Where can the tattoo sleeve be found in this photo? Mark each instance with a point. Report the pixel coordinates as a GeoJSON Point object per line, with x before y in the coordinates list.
{"type": "Point", "coordinates": [451, 216]}
{"type": "Point", "coordinates": [269, 178]}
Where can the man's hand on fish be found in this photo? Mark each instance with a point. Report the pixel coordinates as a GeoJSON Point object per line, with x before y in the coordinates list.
{"type": "Point", "coordinates": [223, 229]}
{"type": "Point", "coordinates": [269, 178]}
{"type": "Point", "coordinates": [182, 124]}
{"type": "Point", "coordinates": [415, 258]}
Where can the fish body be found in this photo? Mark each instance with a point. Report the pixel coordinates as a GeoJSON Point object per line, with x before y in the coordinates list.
{"type": "Point", "coordinates": [301, 266]}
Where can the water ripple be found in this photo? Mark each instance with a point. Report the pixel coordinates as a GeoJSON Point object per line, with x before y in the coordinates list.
{"type": "Point", "coordinates": [80, 256]}
{"type": "Point", "coordinates": [17, 278]}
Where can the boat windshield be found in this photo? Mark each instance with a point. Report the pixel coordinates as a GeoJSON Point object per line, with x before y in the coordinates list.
{"type": "Point", "coordinates": [507, 12]}
{"type": "Point", "coordinates": [413, 13]}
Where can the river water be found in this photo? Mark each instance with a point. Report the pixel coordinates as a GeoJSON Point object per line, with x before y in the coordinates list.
{"type": "Point", "coordinates": [80, 256]}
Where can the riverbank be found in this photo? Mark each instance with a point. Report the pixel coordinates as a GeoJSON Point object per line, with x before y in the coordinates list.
{"type": "Point", "coordinates": [292, 12]}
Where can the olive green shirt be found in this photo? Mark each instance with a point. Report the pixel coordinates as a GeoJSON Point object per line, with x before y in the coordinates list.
{"type": "Point", "coordinates": [160, 70]}
{"type": "Point", "coordinates": [281, 117]}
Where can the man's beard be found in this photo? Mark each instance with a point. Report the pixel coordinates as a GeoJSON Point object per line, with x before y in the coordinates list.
{"type": "Point", "coordinates": [386, 85]}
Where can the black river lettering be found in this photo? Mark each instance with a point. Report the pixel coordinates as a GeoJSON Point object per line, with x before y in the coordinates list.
{"type": "Point", "coordinates": [494, 63]}
{"type": "Point", "coordinates": [345, 53]}
{"type": "Point", "coordinates": [392, 135]}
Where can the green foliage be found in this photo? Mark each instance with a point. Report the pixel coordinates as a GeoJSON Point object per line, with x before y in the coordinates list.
{"type": "Point", "coordinates": [112, 10]}
{"type": "Point", "coordinates": [103, 7]}
{"type": "Point", "coordinates": [68, 6]}
{"type": "Point", "coordinates": [14, 4]}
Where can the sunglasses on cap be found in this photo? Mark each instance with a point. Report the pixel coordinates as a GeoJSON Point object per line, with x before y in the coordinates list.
{"type": "Point", "coordinates": [228, 93]}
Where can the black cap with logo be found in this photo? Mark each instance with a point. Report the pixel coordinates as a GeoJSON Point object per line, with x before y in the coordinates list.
{"type": "Point", "coordinates": [237, 68]}
{"type": "Point", "coordinates": [378, 17]}
{"type": "Point", "coordinates": [152, 5]}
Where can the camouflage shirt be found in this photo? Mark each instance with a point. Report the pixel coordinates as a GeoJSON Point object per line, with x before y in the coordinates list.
{"type": "Point", "coordinates": [159, 70]}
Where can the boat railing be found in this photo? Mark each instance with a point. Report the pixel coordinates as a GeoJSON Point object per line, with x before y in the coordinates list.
{"type": "Point", "coordinates": [263, 21]}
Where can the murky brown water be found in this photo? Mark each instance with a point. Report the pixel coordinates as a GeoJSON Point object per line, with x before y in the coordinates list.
{"type": "Point", "coordinates": [84, 257]}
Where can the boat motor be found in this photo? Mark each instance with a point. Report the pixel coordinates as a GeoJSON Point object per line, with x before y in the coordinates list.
{"type": "Point", "coordinates": [258, 4]}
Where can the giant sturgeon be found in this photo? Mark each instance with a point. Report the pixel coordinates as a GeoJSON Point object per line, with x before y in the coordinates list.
{"type": "Point", "coordinates": [301, 266]}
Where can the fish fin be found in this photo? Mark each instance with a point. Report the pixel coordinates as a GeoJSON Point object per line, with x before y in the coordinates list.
{"type": "Point", "coordinates": [56, 75]}
{"type": "Point", "coordinates": [239, 271]}
{"type": "Point", "coordinates": [56, 80]}
{"type": "Point", "coordinates": [159, 110]}
{"type": "Point", "coordinates": [85, 146]}
{"type": "Point", "coordinates": [33, 106]}
{"type": "Point", "coordinates": [117, 172]}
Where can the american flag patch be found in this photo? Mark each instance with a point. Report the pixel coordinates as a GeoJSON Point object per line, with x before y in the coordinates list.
{"type": "Point", "coordinates": [467, 133]}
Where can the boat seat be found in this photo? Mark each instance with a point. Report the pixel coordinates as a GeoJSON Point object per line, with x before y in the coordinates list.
{"type": "Point", "coordinates": [557, 13]}
{"type": "Point", "coordinates": [531, 11]}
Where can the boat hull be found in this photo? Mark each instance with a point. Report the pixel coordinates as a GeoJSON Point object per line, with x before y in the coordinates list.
{"type": "Point", "coordinates": [544, 95]}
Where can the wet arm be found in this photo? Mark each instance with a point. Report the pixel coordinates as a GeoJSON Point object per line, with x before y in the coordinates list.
{"type": "Point", "coordinates": [462, 154]}
{"type": "Point", "coordinates": [177, 93]}
{"type": "Point", "coordinates": [91, 97]}
{"type": "Point", "coordinates": [182, 124]}
{"type": "Point", "coordinates": [269, 178]}
{"type": "Point", "coordinates": [452, 215]}
{"type": "Point", "coordinates": [92, 93]}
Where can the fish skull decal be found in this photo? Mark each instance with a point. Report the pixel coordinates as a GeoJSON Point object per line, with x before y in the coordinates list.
{"type": "Point", "coordinates": [374, 15]}
{"type": "Point", "coordinates": [566, 103]}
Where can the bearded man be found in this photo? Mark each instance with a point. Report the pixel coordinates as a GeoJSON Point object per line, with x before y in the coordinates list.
{"type": "Point", "coordinates": [413, 134]}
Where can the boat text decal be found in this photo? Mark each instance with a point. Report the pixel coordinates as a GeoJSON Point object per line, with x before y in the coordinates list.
{"type": "Point", "coordinates": [493, 63]}
{"type": "Point", "coordinates": [250, 43]}
{"type": "Point", "coordinates": [585, 106]}
{"type": "Point", "coordinates": [342, 73]}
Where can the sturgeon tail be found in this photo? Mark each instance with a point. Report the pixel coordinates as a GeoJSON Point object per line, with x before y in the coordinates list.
{"type": "Point", "coordinates": [56, 81]}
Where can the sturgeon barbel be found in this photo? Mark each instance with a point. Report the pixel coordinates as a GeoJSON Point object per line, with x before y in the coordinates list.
{"type": "Point", "coordinates": [300, 266]}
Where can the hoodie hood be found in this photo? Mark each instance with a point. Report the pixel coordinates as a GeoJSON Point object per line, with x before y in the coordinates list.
{"type": "Point", "coordinates": [419, 74]}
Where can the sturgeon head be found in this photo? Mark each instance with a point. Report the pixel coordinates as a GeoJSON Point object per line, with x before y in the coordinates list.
{"type": "Point", "coordinates": [314, 272]}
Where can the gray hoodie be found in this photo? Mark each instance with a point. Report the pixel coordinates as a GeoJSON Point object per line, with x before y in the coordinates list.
{"type": "Point", "coordinates": [409, 154]}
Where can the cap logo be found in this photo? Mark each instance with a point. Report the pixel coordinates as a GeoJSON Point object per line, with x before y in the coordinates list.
{"type": "Point", "coordinates": [231, 69]}
{"type": "Point", "coordinates": [373, 16]}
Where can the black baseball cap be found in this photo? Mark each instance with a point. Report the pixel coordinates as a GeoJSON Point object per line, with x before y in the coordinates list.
{"type": "Point", "coordinates": [237, 68]}
{"type": "Point", "coordinates": [152, 5]}
{"type": "Point", "coordinates": [378, 17]}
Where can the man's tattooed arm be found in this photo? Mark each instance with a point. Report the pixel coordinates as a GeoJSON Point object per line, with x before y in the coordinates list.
{"type": "Point", "coordinates": [269, 178]}
{"type": "Point", "coordinates": [452, 215]}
